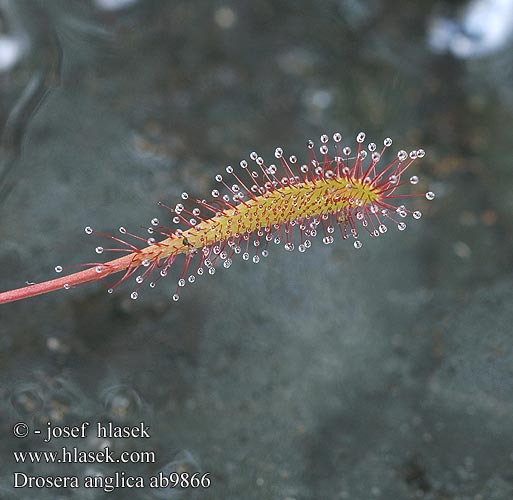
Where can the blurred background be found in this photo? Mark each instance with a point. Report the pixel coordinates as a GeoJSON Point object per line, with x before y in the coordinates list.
{"type": "Point", "coordinates": [381, 373]}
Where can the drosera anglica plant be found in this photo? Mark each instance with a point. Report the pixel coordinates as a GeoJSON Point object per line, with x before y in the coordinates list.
{"type": "Point", "coordinates": [290, 202]}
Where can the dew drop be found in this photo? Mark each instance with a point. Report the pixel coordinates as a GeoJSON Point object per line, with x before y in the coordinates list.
{"type": "Point", "coordinates": [414, 179]}
{"type": "Point", "coordinates": [323, 149]}
{"type": "Point", "coordinates": [360, 137]}
{"type": "Point", "coordinates": [256, 259]}
{"type": "Point", "coordinates": [181, 282]}
{"type": "Point", "coordinates": [139, 279]}
{"type": "Point", "coordinates": [430, 195]}
{"type": "Point", "coordinates": [58, 269]}
{"type": "Point", "coordinates": [66, 286]}
{"type": "Point", "coordinates": [99, 250]}
{"type": "Point", "coordinates": [278, 152]}
{"type": "Point", "coordinates": [176, 297]}
{"type": "Point", "coordinates": [134, 295]}
{"type": "Point", "coordinates": [417, 214]}
{"type": "Point", "coordinates": [122, 230]}
{"type": "Point", "coordinates": [357, 244]}
{"type": "Point", "coordinates": [301, 248]}
{"type": "Point", "coordinates": [215, 193]}
{"type": "Point", "coordinates": [420, 153]}
{"type": "Point", "coordinates": [229, 169]}
{"type": "Point", "coordinates": [245, 256]}
{"type": "Point", "coordinates": [227, 263]}
{"type": "Point", "coordinates": [401, 226]}
{"type": "Point", "coordinates": [243, 164]}
{"type": "Point", "coordinates": [211, 270]}
{"type": "Point", "coordinates": [310, 144]}
{"type": "Point", "coordinates": [337, 137]}
{"type": "Point", "coordinates": [110, 290]}
{"type": "Point", "coordinates": [154, 222]}
{"type": "Point", "coordinates": [152, 284]}
{"type": "Point", "coordinates": [99, 269]}
{"type": "Point", "coordinates": [219, 178]}
{"type": "Point", "coordinates": [387, 142]}
{"type": "Point", "coordinates": [184, 195]}
{"type": "Point", "coordinates": [200, 271]}
{"type": "Point", "coordinates": [265, 253]}
{"type": "Point", "coordinates": [402, 155]}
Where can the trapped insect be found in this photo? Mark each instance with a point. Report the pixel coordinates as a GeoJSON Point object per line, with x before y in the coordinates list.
{"type": "Point", "coordinates": [256, 205]}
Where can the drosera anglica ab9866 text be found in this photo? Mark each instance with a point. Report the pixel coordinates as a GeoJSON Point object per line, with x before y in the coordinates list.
{"type": "Point", "coordinates": [291, 202]}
